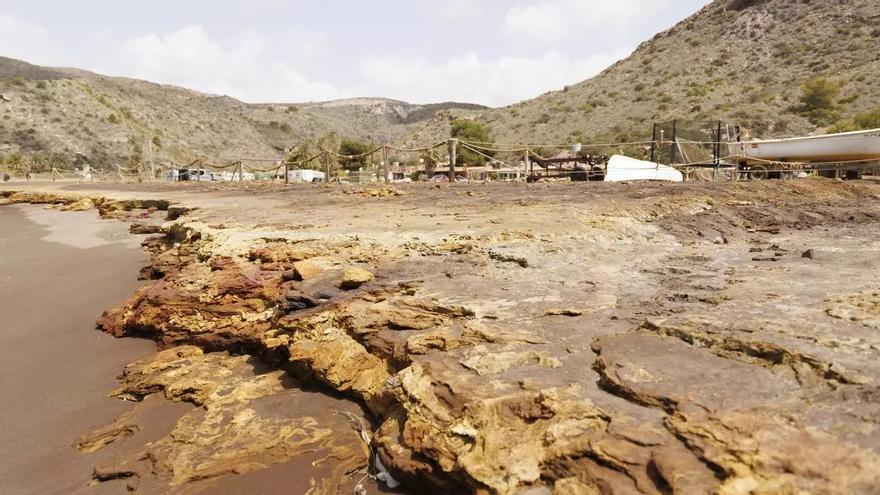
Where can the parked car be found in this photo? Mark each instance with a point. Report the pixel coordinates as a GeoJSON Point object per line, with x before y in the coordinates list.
{"type": "Point", "coordinates": [440, 178]}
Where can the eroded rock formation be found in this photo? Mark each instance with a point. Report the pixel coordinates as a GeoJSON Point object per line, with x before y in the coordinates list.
{"type": "Point", "coordinates": [648, 345]}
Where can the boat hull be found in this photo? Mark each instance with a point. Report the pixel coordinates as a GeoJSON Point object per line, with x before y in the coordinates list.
{"type": "Point", "coordinates": [861, 145]}
{"type": "Point", "coordinates": [624, 169]}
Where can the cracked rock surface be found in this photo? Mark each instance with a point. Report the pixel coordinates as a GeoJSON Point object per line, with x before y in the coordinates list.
{"type": "Point", "coordinates": [557, 339]}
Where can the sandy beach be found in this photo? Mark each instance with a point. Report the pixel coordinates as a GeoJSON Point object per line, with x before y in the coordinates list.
{"type": "Point", "coordinates": [58, 272]}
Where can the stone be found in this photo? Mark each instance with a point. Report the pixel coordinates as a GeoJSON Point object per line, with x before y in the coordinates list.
{"type": "Point", "coordinates": [808, 254]}
{"type": "Point", "coordinates": [305, 270]}
{"type": "Point", "coordinates": [475, 391]}
{"type": "Point", "coordinates": [84, 204]}
{"type": "Point", "coordinates": [145, 229]}
{"type": "Point", "coordinates": [354, 278]}
{"type": "Point", "coordinates": [246, 420]}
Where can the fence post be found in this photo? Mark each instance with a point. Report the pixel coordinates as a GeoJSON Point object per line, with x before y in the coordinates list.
{"type": "Point", "coordinates": [453, 152]}
{"type": "Point", "coordinates": [241, 171]}
{"type": "Point", "coordinates": [286, 172]}
{"type": "Point", "coordinates": [384, 163]}
{"type": "Point", "coordinates": [654, 144]}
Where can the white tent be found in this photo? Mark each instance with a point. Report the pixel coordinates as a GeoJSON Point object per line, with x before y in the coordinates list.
{"type": "Point", "coordinates": [623, 168]}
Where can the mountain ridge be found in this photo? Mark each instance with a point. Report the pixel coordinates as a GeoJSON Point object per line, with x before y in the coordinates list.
{"type": "Point", "coordinates": [741, 61]}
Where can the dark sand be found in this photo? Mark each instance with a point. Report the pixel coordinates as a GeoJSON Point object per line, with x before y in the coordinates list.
{"type": "Point", "coordinates": [58, 272]}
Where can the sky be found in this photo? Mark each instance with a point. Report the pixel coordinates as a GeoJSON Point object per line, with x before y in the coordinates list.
{"type": "Point", "coordinates": [492, 52]}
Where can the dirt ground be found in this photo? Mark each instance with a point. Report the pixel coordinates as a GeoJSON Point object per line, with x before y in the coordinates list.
{"type": "Point", "coordinates": [512, 338]}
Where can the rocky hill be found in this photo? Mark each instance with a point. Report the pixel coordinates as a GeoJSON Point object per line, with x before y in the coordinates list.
{"type": "Point", "coordinates": [742, 61]}
{"type": "Point", "coordinates": [110, 120]}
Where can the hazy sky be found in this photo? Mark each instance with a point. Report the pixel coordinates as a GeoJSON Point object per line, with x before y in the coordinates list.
{"type": "Point", "coordinates": [493, 52]}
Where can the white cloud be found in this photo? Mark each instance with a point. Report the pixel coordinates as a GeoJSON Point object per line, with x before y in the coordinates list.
{"type": "Point", "coordinates": [243, 67]}
{"type": "Point", "coordinates": [560, 20]}
{"type": "Point", "coordinates": [451, 10]}
{"type": "Point", "coordinates": [493, 82]}
{"type": "Point", "coordinates": [288, 65]}
{"type": "Point", "coordinates": [25, 40]}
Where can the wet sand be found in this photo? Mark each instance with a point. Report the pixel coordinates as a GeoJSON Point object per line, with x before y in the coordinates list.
{"type": "Point", "coordinates": [58, 272]}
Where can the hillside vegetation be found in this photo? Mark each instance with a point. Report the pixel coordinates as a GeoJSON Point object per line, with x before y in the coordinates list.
{"type": "Point", "coordinates": [106, 120]}
{"type": "Point", "coordinates": [742, 61]}
{"type": "Point", "coordinates": [776, 67]}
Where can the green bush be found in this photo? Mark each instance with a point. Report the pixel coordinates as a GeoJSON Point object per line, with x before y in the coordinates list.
{"type": "Point", "coordinates": [468, 130]}
{"type": "Point", "coordinates": [352, 147]}
{"type": "Point", "coordinates": [819, 101]}
{"type": "Point", "coordinates": [544, 118]}
{"type": "Point", "coordinates": [860, 122]}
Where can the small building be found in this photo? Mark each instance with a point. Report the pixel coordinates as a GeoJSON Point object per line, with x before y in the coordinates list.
{"type": "Point", "coordinates": [306, 176]}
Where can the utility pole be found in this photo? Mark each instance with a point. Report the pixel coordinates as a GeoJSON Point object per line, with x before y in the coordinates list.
{"type": "Point", "coordinates": [453, 155]}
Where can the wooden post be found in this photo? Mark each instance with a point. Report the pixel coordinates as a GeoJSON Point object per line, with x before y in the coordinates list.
{"type": "Point", "coordinates": [326, 157]}
{"type": "Point", "coordinates": [241, 171]}
{"type": "Point", "coordinates": [453, 152]}
{"type": "Point", "coordinates": [152, 165]}
{"type": "Point", "coordinates": [385, 164]}
{"type": "Point", "coordinates": [654, 144]}
{"type": "Point", "coordinates": [527, 163]}
{"type": "Point", "coordinates": [286, 172]}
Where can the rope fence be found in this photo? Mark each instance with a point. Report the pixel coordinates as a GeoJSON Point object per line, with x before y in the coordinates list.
{"type": "Point", "coordinates": [735, 165]}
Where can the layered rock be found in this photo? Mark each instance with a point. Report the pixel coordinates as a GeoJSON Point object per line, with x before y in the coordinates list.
{"type": "Point", "coordinates": [616, 350]}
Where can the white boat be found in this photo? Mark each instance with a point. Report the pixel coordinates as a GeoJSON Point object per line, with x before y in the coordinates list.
{"type": "Point", "coordinates": [845, 146]}
{"type": "Point", "coordinates": [623, 168]}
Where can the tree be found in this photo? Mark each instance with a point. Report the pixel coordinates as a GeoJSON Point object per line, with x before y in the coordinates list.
{"type": "Point", "coordinates": [352, 147]}
{"type": "Point", "coordinates": [469, 130]}
{"type": "Point", "coordinates": [430, 159]}
{"type": "Point", "coordinates": [136, 158]}
{"type": "Point", "coordinates": [819, 101]}
{"type": "Point", "coordinates": [298, 154]}
{"type": "Point", "coordinates": [329, 144]}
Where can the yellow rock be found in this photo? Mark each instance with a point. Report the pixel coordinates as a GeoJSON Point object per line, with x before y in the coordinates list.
{"type": "Point", "coordinates": [354, 278]}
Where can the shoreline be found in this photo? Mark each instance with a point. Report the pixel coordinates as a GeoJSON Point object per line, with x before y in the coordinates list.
{"type": "Point", "coordinates": [75, 448]}
{"type": "Point", "coordinates": [55, 367]}
{"type": "Point", "coordinates": [636, 342]}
